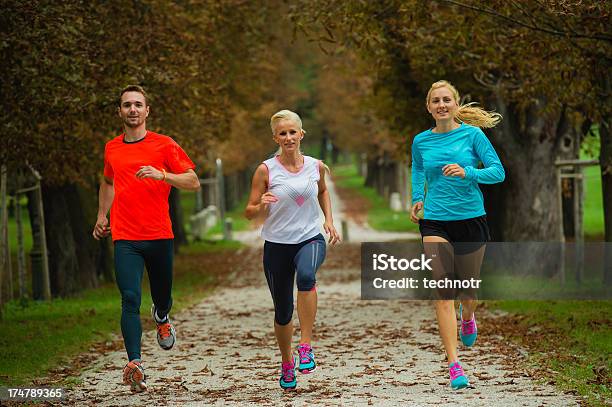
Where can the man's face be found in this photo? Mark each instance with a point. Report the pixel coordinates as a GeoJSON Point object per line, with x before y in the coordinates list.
{"type": "Point", "coordinates": [133, 109]}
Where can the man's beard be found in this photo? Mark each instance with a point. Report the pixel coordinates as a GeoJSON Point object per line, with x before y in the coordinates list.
{"type": "Point", "coordinates": [132, 125]}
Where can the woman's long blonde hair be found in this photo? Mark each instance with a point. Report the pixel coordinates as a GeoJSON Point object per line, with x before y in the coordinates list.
{"type": "Point", "coordinates": [467, 113]}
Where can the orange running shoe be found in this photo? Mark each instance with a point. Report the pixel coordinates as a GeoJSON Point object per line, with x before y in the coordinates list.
{"type": "Point", "coordinates": [166, 335]}
{"type": "Point", "coordinates": [134, 376]}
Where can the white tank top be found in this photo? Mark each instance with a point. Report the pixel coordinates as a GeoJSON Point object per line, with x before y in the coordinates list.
{"type": "Point", "coordinates": [294, 217]}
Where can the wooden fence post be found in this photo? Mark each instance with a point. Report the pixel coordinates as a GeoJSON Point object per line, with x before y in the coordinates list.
{"type": "Point", "coordinates": [7, 255]}
{"type": "Point", "coordinates": [20, 248]}
{"type": "Point", "coordinates": [221, 197]}
{"type": "Point", "coordinates": [46, 281]}
{"type": "Point", "coordinates": [560, 224]}
{"type": "Point", "coordinates": [578, 223]}
{"type": "Point", "coordinates": [3, 227]}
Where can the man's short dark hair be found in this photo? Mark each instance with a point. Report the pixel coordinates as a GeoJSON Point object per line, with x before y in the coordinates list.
{"type": "Point", "coordinates": [134, 88]}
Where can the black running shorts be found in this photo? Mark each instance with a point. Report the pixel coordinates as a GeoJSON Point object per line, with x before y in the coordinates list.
{"type": "Point", "coordinates": [466, 236]}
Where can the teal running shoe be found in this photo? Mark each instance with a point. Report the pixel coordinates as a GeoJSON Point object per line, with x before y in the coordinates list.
{"type": "Point", "coordinates": [469, 331]}
{"type": "Point", "coordinates": [307, 360]}
{"type": "Point", "coordinates": [458, 380]}
{"type": "Point", "coordinates": [288, 379]}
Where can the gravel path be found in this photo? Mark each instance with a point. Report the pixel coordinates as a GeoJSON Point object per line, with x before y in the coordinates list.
{"type": "Point", "coordinates": [369, 352]}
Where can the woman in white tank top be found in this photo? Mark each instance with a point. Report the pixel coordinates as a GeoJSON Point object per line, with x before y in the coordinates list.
{"type": "Point", "coordinates": [286, 192]}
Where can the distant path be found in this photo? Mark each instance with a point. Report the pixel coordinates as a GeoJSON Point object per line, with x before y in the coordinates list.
{"type": "Point", "coordinates": [357, 232]}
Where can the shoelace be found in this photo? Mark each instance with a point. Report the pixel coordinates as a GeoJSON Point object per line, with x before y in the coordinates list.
{"type": "Point", "coordinates": [468, 327]}
{"type": "Point", "coordinates": [288, 373]}
{"type": "Point", "coordinates": [303, 352]}
{"type": "Point", "coordinates": [164, 330]}
{"type": "Point", "coordinates": [455, 371]}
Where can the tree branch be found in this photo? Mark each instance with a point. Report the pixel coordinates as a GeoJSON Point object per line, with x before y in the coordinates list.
{"type": "Point", "coordinates": [600, 37]}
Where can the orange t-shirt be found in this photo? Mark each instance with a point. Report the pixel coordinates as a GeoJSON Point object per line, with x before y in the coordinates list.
{"type": "Point", "coordinates": [140, 209]}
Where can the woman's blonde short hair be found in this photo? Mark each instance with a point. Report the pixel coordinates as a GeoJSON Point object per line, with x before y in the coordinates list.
{"type": "Point", "coordinates": [285, 115]}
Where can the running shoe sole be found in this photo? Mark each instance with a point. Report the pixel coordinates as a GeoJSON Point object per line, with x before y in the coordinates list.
{"type": "Point", "coordinates": [138, 387]}
{"type": "Point", "coordinates": [460, 383]}
{"type": "Point", "coordinates": [307, 371]}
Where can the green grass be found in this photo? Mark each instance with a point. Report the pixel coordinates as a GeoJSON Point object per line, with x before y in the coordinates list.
{"type": "Point", "coordinates": [208, 246]}
{"type": "Point", "coordinates": [38, 336]}
{"type": "Point", "coordinates": [593, 202]}
{"type": "Point", "coordinates": [503, 286]}
{"type": "Point", "coordinates": [27, 231]}
{"type": "Point", "coordinates": [380, 216]}
{"type": "Point", "coordinates": [576, 342]}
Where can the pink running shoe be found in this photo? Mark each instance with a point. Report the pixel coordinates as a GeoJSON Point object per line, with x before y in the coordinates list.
{"type": "Point", "coordinates": [307, 360]}
{"type": "Point", "coordinates": [469, 330]}
{"type": "Point", "coordinates": [288, 378]}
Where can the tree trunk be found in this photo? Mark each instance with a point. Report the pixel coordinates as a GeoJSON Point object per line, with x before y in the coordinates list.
{"type": "Point", "coordinates": [567, 199]}
{"type": "Point", "coordinates": [531, 212]}
{"type": "Point", "coordinates": [390, 183]}
{"type": "Point", "coordinates": [528, 149]}
{"type": "Point", "coordinates": [231, 191]}
{"type": "Point", "coordinates": [335, 154]}
{"type": "Point", "coordinates": [323, 146]}
{"type": "Point", "coordinates": [74, 256]}
{"type": "Point", "coordinates": [372, 172]}
{"type": "Point", "coordinates": [494, 198]}
{"type": "Point", "coordinates": [176, 216]}
{"type": "Point", "coordinates": [605, 162]}
{"type": "Point", "coordinates": [246, 182]}
{"type": "Point", "coordinates": [35, 253]}
{"type": "Point", "coordinates": [528, 143]}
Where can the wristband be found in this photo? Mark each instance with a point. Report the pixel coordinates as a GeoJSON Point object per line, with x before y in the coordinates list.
{"type": "Point", "coordinates": [164, 172]}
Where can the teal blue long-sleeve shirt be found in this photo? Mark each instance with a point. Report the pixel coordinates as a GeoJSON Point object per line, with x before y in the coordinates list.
{"type": "Point", "coordinates": [453, 198]}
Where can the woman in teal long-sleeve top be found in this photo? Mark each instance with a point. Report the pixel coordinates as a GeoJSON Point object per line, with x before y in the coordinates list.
{"type": "Point", "coordinates": [454, 227]}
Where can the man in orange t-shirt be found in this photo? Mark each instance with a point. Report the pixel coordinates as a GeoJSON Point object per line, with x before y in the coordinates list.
{"type": "Point", "coordinates": [139, 169]}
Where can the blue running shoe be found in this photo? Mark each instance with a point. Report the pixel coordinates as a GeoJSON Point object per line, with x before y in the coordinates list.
{"type": "Point", "coordinates": [458, 380]}
{"type": "Point", "coordinates": [288, 378]}
{"type": "Point", "coordinates": [469, 330]}
{"type": "Point", "coordinates": [307, 360]}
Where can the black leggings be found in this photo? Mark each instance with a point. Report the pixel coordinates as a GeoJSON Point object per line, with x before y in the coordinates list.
{"type": "Point", "coordinates": [131, 256]}
{"type": "Point", "coordinates": [281, 262]}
